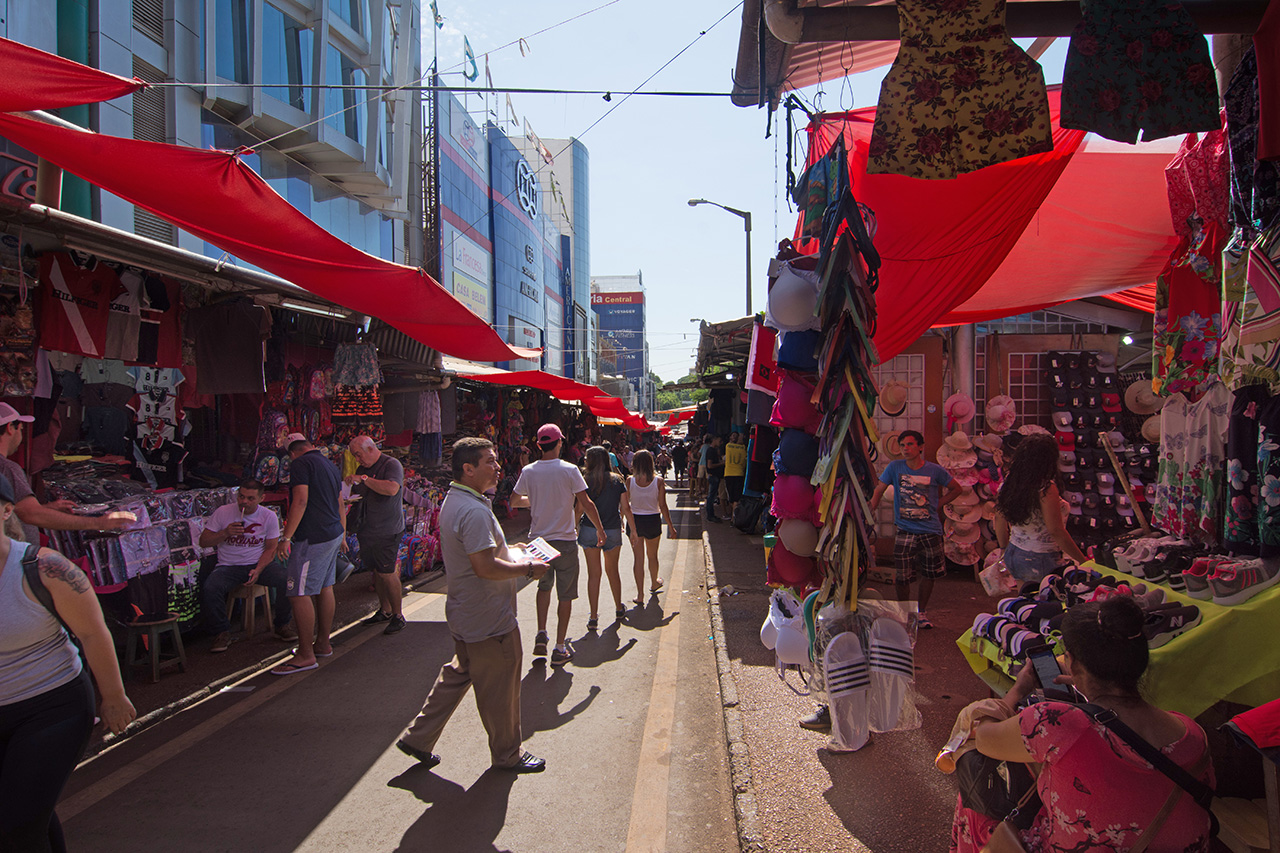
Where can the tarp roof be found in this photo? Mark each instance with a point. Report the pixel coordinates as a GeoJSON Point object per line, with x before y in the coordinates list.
{"type": "Point", "coordinates": [215, 196]}
{"type": "Point", "coordinates": [563, 388]}
{"type": "Point", "coordinates": [1090, 218]}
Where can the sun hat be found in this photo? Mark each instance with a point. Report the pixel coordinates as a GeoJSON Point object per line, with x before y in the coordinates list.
{"type": "Point", "coordinates": [893, 398]}
{"type": "Point", "coordinates": [959, 441]}
{"type": "Point", "coordinates": [1000, 413]}
{"type": "Point", "coordinates": [960, 553]}
{"type": "Point", "coordinates": [966, 476]}
{"type": "Point", "coordinates": [988, 509]}
{"type": "Point", "coordinates": [1032, 429]}
{"type": "Point", "coordinates": [951, 459]}
{"type": "Point", "coordinates": [966, 498]}
{"type": "Point", "coordinates": [8, 414]}
{"type": "Point", "coordinates": [891, 445]}
{"type": "Point", "coordinates": [1140, 399]}
{"type": "Point", "coordinates": [1151, 429]}
{"type": "Point", "coordinates": [958, 409]}
{"type": "Point", "coordinates": [963, 514]}
{"type": "Point", "coordinates": [988, 442]}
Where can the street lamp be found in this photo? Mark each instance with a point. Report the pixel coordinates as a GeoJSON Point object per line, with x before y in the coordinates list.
{"type": "Point", "coordinates": [746, 224]}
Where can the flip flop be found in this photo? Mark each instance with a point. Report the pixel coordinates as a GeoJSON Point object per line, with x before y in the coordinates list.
{"type": "Point", "coordinates": [317, 654]}
{"type": "Point", "coordinates": [638, 602]}
{"type": "Point", "coordinates": [657, 585]}
{"type": "Point", "coordinates": [291, 668]}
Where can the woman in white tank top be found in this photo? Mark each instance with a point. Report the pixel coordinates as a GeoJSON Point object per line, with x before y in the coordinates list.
{"type": "Point", "coordinates": [647, 495]}
{"type": "Point", "coordinates": [1029, 520]}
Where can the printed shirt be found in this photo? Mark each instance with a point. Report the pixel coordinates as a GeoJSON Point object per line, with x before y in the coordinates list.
{"type": "Point", "coordinates": [75, 304]}
{"type": "Point", "coordinates": [917, 494]}
{"type": "Point", "coordinates": [260, 526]}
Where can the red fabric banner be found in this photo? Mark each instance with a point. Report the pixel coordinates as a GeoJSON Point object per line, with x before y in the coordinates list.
{"type": "Point", "coordinates": [215, 196]}
{"type": "Point", "coordinates": [560, 387]}
{"type": "Point", "coordinates": [35, 80]}
{"type": "Point", "coordinates": [1142, 298]}
{"type": "Point", "coordinates": [939, 241]}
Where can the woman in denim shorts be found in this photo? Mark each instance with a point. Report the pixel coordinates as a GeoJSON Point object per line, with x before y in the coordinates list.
{"type": "Point", "coordinates": [1029, 518]}
{"type": "Point", "coordinates": [609, 493]}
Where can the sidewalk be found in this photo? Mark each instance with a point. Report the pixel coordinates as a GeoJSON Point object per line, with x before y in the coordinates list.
{"type": "Point", "coordinates": [794, 795]}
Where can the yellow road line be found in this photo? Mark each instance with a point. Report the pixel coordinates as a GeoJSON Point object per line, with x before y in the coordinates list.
{"type": "Point", "coordinates": [648, 830]}
{"type": "Point", "coordinates": [142, 765]}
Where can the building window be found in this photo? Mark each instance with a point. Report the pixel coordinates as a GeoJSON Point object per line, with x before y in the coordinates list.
{"type": "Point", "coordinates": [286, 58]}
{"type": "Point", "coordinates": [345, 109]}
{"type": "Point", "coordinates": [231, 18]}
{"type": "Point", "coordinates": [351, 11]}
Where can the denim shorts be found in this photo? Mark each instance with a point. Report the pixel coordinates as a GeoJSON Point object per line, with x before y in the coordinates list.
{"type": "Point", "coordinates": [587, 538]}
{"type": "Point", "coordinates": [312, 566]}
{"type": "Point", "coordinates": [1030, 565]}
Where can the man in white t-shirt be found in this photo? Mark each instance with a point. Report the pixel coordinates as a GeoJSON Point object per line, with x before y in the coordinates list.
{"type": "Point", "coordinates": [245, 534]}
{"type": "Point", "coordinates": [556, 495]}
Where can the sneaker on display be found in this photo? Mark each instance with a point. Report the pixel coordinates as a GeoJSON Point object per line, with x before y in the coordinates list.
{"type": "Point", "coordinates": [1169, 620]}
{"type": "Point", "coordinates": [1239, 582]}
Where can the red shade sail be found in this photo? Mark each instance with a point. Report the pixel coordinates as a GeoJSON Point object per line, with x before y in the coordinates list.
{"type": "Point", "coordinates": [215, 196]}
{"type": "Point", "coordinates": [560, 387]}
{"type": "Point", "coordinates": [35, 80]}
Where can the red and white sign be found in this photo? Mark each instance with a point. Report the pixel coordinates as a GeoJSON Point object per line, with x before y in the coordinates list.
{"type": "Point", "coordinates": [633, 298]}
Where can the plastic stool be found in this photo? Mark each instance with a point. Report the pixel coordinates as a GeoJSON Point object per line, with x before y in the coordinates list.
{"type": "Point", "coordinates": [154, 631]}
{"type": "Point", "coordinates": [250, 594]}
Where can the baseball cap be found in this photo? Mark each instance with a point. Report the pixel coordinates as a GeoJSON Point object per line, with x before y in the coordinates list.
{"type": "Point", "coordinates": [8, 414]}
{"type": "Point", "coordinates": [1066, 462]}
{"type": "Point", "coordinates": [294, 436]}
{"type": "Point", "coordinates": [1062, 420]}
{"type": "Point", "coordinates": [549, 434]}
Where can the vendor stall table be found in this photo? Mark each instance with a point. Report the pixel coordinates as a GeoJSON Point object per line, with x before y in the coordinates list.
{"type": "Point", "coordinates": [1231, 655]}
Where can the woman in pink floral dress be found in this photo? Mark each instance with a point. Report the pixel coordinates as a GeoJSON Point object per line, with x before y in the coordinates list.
{"type": "Point", "coordinates": [1097, 793]}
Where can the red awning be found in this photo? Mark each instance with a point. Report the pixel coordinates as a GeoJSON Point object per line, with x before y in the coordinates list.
{"type": "Point", "coordinates": [35, 80]}
{"type": "Point", "coordinates": [215, 196]}
{"type": "Point", "coordinates": [560, 387]}
{"type": "Point", "coordinates": [1089, 219]}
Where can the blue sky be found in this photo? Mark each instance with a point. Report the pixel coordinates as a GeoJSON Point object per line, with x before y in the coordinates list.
{"type": "Point", "coordinates": [650, 155]}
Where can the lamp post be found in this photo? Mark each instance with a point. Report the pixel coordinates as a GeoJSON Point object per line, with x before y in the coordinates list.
{"type": "Point", "coordinates": [746, 225]}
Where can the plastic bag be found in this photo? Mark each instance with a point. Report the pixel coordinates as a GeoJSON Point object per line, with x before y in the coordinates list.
{"type": "Point", "coordinates": [995, 576]}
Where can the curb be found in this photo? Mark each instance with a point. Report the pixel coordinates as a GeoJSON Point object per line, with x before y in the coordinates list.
{"type": "Point", "coordinates": [750, 835]}
{"type": "Point", "coordinates": [146, 721]}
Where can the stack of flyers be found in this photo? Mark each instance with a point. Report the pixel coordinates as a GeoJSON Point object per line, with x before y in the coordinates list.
{"type": "Point", "coordinates": [538, 549]}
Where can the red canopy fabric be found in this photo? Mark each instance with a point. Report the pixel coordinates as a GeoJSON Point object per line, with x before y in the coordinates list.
{"type": "Point", "coordinates": [560, 387]}
{"type": "Point", "coordinates": [1141, 298]}
{"type": "Point", "coordinates": [35, 80]}
{"type": "Point", "coordinates": [215, 196]}
{"type": "Point", "coordinates": [940, 241]}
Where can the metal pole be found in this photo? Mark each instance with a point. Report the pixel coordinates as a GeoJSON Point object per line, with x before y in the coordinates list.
{"type": "Point", "coordinates": [746, 222]}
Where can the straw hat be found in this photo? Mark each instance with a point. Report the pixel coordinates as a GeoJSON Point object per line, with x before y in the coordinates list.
{"type": "Point", "coordinates": [966, 498]}
{"type": "Point", "coordinates": [966, 476]}
{"type": "Point", "coordinates": [988, 510]}
{"type": "Point", "coordinates": [891, 445]}
{"type": "Point", "coordinates": [1000, 414]}
{"type": "Point", "coordinates": [1032, 429]}
{"type": "Point", "coordinates": [1151, 429]}
{"type": "Point", "coordinates": [988, 442]}
{"type": "Point", "coordinates": [893, 398]}
{"type": "Point", "coordinates": [958, 409]}
{"type": "Point", "coordinates": [961, 553]}
{"type": "Point", "coordinates": [959, 441]}
{"type": "Point", "coordinates": [1140, 399]}
{"type": "Point", "coordinates": [952, 459]}
{"type": "Point", "coordinates": [962, 514]}
{"type": "Point", "coordinates": [964, 532]}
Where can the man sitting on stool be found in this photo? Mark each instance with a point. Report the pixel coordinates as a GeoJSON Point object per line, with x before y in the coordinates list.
{"type": "Point", "coordinates": [245, 534]}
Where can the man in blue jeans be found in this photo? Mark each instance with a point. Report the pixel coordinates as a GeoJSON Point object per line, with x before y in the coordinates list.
{"type": "Point", "coordinates": [245, 534]}
{"type": "Point", "coordinates": [715, 470]}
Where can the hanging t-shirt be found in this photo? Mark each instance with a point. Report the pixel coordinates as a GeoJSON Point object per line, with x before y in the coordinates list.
{"type": "Point", "coordinates": [160, 418]}
{"type": "Point", "coordinates": [1191, 488]}
{"type": "Point", "coordinates": [245, 549]}
{"type": "Point", "coordinates": [160, 332]}
{"type": "Point", "coordinates": [125, 317]}
{"type": "Point", "coordinates": [229, 340]}
{"type": "Point", "coordinates": [101, 371]}
{"type": "Point", "coordinates": [75, 303]}
{"type": "Point", "coordinates": [917, 495]}
{"type": "Point", "coordinates": [159, 462]}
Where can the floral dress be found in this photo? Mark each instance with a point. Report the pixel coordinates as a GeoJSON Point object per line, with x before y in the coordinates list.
{"type": "Point", "coordinates": [1138, 64]}
{"type": "Point", "coordinates": [1099, 794]}
{"type": "Point", "coordinates": [1188, 316]}
{"type": "Point", "coordinates": [1190, 492]}
{"type": "Point", "coordinates": [960, 95]}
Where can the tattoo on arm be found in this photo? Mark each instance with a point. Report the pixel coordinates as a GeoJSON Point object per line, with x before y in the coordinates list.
{"type": "Point", "coordinates": [54, 566]}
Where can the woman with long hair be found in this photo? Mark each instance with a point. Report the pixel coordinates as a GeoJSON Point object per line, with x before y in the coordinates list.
{"type": "Point", "coordinates": [46, 695]}
{"type": "Point", "coordinates": [1029, 518]}
{"type": "Point", "coordinates": [609, 493]}
{"type": "Point", "coordinates": [648, 496]}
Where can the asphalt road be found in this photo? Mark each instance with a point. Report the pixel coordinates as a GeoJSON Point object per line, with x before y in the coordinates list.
{"type": "Point", "coordinates": [632, 732]}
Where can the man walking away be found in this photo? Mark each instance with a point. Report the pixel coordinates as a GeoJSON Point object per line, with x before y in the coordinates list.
{"type": "Point", "coordinates": [378, 481]}
{"type": "Point", "coordinates": [715, 470]}
{"type": "Point", "coordinates": [556, 495]}
{"type": "Point", "coordinates": [480, 607]}
{"type": "Point", "coordinates": [246, 534]}
{"type": "Point", "coordinates": [920, 490]}
{"type": "Point", "coordinates": [315, 488]}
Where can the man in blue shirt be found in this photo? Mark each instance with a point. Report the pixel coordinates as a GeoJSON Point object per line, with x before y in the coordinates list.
{"type": "Point", "coordinates": [920, 490]}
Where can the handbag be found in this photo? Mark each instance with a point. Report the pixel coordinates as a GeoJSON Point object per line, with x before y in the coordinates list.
{"type": "Point", "coordinates": [1005, 838]}
{"type": "Point", "coordinates": [997, 789]}
{"type": "Point", "coordinates": [997, 581]}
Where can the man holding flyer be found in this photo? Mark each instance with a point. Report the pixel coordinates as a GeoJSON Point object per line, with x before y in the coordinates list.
{"type": "Point", "coordinates": [480, 607]}
{"type": "Point", "coordinates": [556, 495]}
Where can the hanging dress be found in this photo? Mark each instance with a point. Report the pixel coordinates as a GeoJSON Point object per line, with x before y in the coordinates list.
{"type": "Point", "coordinates": [1191, 485]}
{"type": "Point", "coordinates": [1138, 65]}
{"type": "Point", "coordinates": [960, 95]}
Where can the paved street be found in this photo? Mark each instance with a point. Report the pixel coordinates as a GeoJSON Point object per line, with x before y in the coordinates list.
{"type": "Point", "coordinates": [632, 732]}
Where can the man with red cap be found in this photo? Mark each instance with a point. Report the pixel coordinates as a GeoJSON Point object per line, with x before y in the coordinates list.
{"type": "Point", "coordinates": [556, 495]}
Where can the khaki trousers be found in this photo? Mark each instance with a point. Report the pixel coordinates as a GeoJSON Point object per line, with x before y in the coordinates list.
{"type": "Point", "coordinates": [493, 667]}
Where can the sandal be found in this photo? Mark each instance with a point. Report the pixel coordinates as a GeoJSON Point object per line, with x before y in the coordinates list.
{"type": "Point", "coordinates": [657, 585]}
{"type": "Point", "coordinates": [620, 614]}
{"type": "Point", "coordinates": [638, 602]}
{"type": "Point", "coordinates": [593, 623]}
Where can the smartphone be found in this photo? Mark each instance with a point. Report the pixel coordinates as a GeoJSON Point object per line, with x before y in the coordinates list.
{"type": "Point", "coordinates": [1046, 665]}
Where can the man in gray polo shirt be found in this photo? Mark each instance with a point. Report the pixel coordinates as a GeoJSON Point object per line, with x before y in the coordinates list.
{"type": "Point", "coordinates": [480, 608]}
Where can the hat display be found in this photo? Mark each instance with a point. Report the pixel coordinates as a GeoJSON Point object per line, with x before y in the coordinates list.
{"type": "Point", "coordinates": [988, 442]}
{"type": "Point", "coordinates": [965, 532]}
{"type": "Point", "coordinates": [958, 409]}
{"type": "Point", "coordinates": [1063, 420]}
{"type": "Point", "coordinates": [961, 553]}
{"type": "Point", "coordinates": [1140, 399]}
{"type": "Point", "coordinates": [966, 476]}
{"type": "Point", "coordinates": [951, 459]}
{"type": "Point", "coordinates": [891, 445]}
{"type": "Point", "coordinates": [966, 514]}
{"type": "Point", "coordinates": [966, 498]}
{"type": "Point", "coordinates": [893, 398]}
{"type": "Point", "coordinates": [1000, 414]}
{"type": "Point", "coordinates": [1106, 362]}
{"type": "Point", "coordinates": [1032, 429]}
{"type": "Point", "coordinates": [959, 441]}
{"type": "Point", "coordinates": [988, 510]}
{"type": "Point", "coordinates": [1066, 462]}
{"type": "Point", "coordinates": [1151, 429]}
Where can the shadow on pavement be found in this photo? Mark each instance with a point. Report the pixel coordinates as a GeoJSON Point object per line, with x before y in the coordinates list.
{"type": "Point", "coordinates": [650, 617]}
{"type": "Point", "coordinates": [465, 820]}
{"type": "Point", "coordinates": [596, 648]}
{"type": "Point", "coordinates": [541, 693]}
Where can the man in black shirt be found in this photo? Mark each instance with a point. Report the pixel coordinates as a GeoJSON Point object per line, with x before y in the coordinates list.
{"type": "Point", "coordinates": [715, 470]}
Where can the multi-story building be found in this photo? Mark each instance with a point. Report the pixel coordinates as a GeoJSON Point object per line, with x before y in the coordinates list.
{"type": "Point", "coordinates": [619, 304]}
{"type": "Point", "coordinates": [347, 157]}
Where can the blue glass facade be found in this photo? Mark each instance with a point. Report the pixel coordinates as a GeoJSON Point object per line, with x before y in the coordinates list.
{"type": "Point", "coordinates": [519, 270]}
{"type": "Point", "coordinates": [466, 248]}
